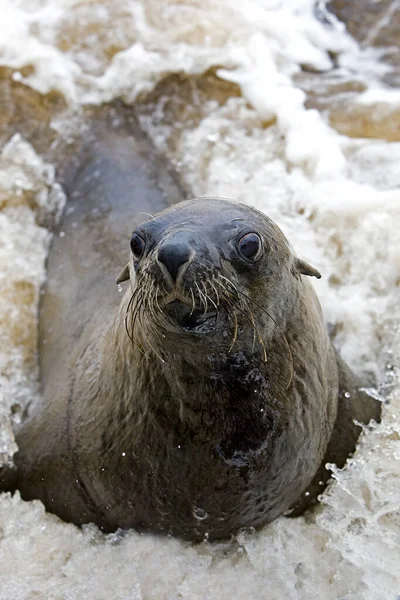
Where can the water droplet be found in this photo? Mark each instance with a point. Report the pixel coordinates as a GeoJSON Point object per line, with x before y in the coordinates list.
{"type": "Point", "coordinates": [124, 454]}
{"type": "Point", "coordinates": [119, 287]}
{"type": "Point", "coordinates": [261, 410]}
{"type": "Point", "coordinates": [199, 513]}
{"type": "Point", "coordinates": [178, 445]}
{"type": "Point", "coordinates": [62, 234]}
{"type": "Point", "coordinates": [347, 395]}
{"type": "Point", "coordinates": [307, 493]}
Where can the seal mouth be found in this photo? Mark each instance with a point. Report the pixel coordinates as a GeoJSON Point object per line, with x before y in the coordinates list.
{"type": "Point", "coordinates": [191, 320]}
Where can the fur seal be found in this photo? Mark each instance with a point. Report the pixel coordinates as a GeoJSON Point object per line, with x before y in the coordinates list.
{"type": "Point", "coordinates": [209, 397]}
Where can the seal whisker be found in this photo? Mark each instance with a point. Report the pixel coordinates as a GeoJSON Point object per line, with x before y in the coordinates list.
{"type": "Point", "coordinates": [126, 321]}
{"type": "Point", "coordinates": [235, 304]}
{"type": "Point", "coordinates": [147, 215]}
{"type": "Point", "coordinates": [136, 316]}
{"type": "Point", "coordinates": [216, 292]}
{"type": "Point", "coordinates": [249, 316]}
{"type": "Point", "coordinates": [256, 304]}
{"type": "Point", "coordinates": [149, 303]}
{"type": "Point", "coordinates": [157, 303]}
{"type": "Point", "coordinates": [226, 290]}
{"type": "Point", "coordinates": [257, 333]}
{"type": "Point", "coordinates": [229, 281]}
{"type": "Point", "coordinates": [203, 298]}
{"type": "Point", "coordinates": [142, 329]}
{"type": "Point", "coordinates": [193, 302]}
{"type": "Point", "coordinates": [280, 329]}
{"type": "Point", "coordinates": [127, 313]}
{"type": "Point", "coordinates": [235, 332]}
{"type": "Point", "coordinates": [209, 297]}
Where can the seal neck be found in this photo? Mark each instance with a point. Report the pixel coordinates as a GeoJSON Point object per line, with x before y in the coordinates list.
{"type": "Point", "coordinates": [178, 384]}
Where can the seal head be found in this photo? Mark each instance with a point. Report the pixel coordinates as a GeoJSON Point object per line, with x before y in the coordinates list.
{"type": "Point", "coordinates": [209, 267]}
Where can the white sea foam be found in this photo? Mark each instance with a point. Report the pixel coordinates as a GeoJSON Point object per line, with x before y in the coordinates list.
{"type": "Point", "coordinates": [337, 200]}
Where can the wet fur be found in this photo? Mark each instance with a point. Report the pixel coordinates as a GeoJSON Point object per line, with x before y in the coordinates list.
{"type": "Point", "coordinates": [141, 426]}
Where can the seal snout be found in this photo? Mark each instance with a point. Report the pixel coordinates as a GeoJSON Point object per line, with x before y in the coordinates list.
{"type": "Point", "coordinates": [174, 256]}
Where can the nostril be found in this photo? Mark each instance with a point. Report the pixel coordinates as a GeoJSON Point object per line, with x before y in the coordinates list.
{"type": "Point", "coordinates": [173, 256]}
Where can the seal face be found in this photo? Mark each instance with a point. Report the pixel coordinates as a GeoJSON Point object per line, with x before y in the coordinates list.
{"type": "Point", "coordinates": [205, 402]}
{"type": "Point", "coordinates": [197, 273]}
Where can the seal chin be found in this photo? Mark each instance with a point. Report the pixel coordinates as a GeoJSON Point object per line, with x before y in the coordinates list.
{"type": "Point", "coordinates": [191, 320]}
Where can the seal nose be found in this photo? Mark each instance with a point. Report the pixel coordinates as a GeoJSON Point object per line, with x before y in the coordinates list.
{"type": "Point", "coordinates": [173, 254]}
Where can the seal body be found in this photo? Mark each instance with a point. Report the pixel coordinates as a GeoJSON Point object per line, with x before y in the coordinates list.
{"type": "Point", "coordinates": [209, 397]}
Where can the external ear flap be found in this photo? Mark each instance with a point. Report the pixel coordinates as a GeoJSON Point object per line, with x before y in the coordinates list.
{"type": "Point", "coordinates": [304, 268]}
{"type": "Point", "coordinates": [124, 275]}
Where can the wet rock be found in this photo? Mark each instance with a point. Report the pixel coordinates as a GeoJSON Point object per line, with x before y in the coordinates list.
{"type": "Point", "coordinates": [375, 24]}
{"type": "Point", "coordinates": [343, 93]}
{"type": "Point", "coordinates": [181, 101]}
{"type": "Point", "coordinates": [26, 111]}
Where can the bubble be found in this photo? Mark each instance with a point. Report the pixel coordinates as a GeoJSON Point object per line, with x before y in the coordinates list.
{"type": "Point", "coordinates": [199, 513]}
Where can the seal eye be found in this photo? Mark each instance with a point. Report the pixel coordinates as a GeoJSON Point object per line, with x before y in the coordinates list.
{"type": "Point", "coordinates": [249, 246]}
{"type": "Point", "coordinates": [137, 246]}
